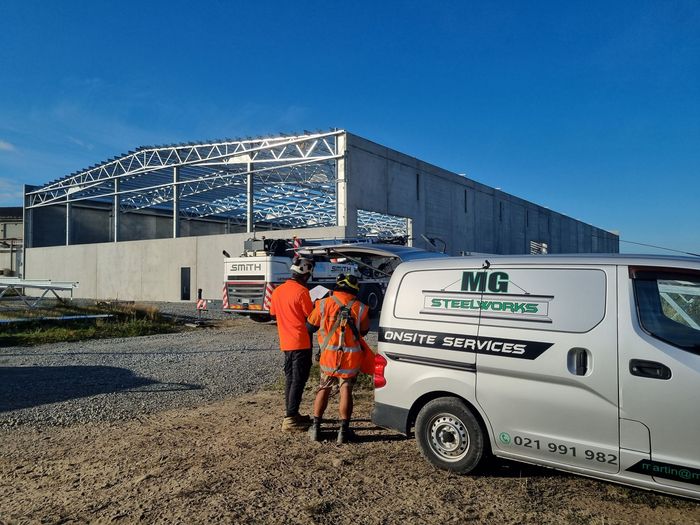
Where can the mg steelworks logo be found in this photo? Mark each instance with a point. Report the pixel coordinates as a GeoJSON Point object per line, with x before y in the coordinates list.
{"type": "Point", "coordinates": [482, 293]}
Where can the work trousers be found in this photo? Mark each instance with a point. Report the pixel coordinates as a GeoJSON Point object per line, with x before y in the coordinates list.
{"type": "Point", "coordinates": [297, 365]}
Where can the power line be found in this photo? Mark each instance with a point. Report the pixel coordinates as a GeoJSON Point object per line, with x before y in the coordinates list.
{"type": "Point", "coordinates": [647, 245]}
{"type": "Point", "coordinates": [661, 248]}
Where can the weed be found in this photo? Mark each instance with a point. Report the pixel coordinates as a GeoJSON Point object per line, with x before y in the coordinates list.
{"type": "Point", "coordinates": [126, 321]}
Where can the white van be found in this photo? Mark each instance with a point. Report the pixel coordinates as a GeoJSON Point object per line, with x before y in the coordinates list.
{"type": "Point", "coordinates": [589, 364]}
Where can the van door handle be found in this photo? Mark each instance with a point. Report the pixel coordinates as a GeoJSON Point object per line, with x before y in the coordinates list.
{"type": "Point", "coordinates": [651, 369]}
{"type": "Point", "coordinates": [577, 361]}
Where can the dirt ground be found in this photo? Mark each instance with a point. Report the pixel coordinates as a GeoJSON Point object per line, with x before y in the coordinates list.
{"type": "Point", "coordinates": [228, 463]}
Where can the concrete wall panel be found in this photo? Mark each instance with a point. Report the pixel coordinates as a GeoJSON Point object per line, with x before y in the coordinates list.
{"type": "Point", "coordinates": [517, 228]}
{"type": "Point", "coordinates": [387, 181]}
{"type": "Point", "coordinates": [149, 270]}
{"type": "Point", "coordinates": [438, 213]}
{"type": "Point", "coordinates": [485, 234]}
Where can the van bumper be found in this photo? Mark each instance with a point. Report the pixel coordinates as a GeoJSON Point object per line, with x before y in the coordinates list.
{"type": "Point", "coordinates": [391, 417]}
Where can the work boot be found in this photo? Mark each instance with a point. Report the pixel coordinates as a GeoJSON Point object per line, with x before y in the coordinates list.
{"type": "Point", "coordinates": [315, 432]}
{"type": "Point", "coordinates": [345, 435]}
{"type": "Point", "coordinates": [295, 423]}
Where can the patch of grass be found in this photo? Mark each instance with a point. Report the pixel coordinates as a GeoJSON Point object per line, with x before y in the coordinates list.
{"type": "Point", "coordinates": [127, 320]}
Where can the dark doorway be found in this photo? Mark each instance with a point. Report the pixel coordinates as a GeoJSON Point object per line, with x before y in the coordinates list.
{"type": "Point", "coordinates": [184, 284]}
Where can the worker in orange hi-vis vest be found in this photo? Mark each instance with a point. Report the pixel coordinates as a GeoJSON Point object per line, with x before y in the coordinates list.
{"type": "Point", "coordinates": [341, 321]}
{"type": "Point", "coordinates": [291, 304]}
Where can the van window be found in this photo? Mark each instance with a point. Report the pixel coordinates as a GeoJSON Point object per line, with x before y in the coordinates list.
{"type": "Point", "coordinates": [668, 306]}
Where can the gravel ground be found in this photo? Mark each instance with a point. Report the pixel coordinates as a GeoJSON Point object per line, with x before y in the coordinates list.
{"type": "Point", "coordinates": [120, 379]}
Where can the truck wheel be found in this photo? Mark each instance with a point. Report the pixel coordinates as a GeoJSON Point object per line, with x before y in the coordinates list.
{"type": "Point", "coordinates": [449, 436]}
{"type": "Point", "coordinates": [264, 318]}
{"type": "Point", "coordinates": [373, 297]}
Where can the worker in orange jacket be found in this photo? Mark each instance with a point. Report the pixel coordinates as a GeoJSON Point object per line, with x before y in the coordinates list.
{"type": "Point", "coordinates": [341, 321]}
{"type": "Point", "coordinates": [291, 304]}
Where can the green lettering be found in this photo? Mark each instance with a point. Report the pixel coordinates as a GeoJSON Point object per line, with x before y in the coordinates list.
{"type": "Point", "coordinates": [474, 281]}
{"type": "Point", "coordinates": [498, 282]}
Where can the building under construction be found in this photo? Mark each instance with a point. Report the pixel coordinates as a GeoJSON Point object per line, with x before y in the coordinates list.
{"type": "Point", "coordinates": [127, 228]}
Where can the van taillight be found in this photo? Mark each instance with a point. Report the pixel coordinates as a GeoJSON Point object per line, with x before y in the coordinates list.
{"type": "Point", "coordinates": [379, 366]}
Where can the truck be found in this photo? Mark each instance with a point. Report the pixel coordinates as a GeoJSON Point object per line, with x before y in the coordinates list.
{"type": "Point", "coordinates": [250, 279]}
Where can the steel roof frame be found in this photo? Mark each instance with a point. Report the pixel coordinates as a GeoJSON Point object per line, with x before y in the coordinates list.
{"type": "Point", "coordinates": [293, 175]}
{"type": "Point", "coordinates": [293, 180]}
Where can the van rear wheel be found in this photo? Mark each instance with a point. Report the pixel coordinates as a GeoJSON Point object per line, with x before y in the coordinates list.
{"type": "Point", "coordinates": [449, 436]}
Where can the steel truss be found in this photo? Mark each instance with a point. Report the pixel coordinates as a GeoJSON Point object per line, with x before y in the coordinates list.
{"type": "Point", "coordinates": [370, 223]}
{"type": "Point", "coordinates": [292, 181]}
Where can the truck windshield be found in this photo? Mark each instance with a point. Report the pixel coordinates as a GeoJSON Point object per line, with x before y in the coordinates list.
{"type": "Point", "coordinates": [669, 307]}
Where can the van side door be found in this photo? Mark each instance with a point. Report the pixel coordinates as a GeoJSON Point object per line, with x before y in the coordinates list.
{"type": "Point", "coordinates": [547, 364]}
{"type": "Point", "coordinates": [660, 374]}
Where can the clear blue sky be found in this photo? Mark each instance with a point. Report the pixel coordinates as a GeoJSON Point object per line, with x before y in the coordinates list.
{"type": "Point", "coordinates": [589, 108]}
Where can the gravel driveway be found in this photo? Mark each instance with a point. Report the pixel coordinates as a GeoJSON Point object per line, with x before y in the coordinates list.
{"type": "Point", "coordinates": [117, 379]}
{"type": "Point", "coordinates": [120, 379]}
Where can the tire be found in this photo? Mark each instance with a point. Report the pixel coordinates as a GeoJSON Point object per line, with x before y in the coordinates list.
{"type": "Point", "coordinates": [263, 318]}
{"type": "Point", "coordinates": [449, 436]}
{"type": "Point", "coordinates": [373, 297]}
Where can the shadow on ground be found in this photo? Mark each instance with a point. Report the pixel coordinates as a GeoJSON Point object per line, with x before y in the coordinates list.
{"type": "Point", "coordinates": [30, 386]}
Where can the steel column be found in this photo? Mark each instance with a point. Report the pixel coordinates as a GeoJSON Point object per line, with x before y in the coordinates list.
{"type": "Point", "coordinates": [176, 203]}
{"type": "Point", "coordinates": [116, 210]}
{"type": "Point", "coordinates": [250, 224]}
{"type": "Point", "coordinates": [68, 214]}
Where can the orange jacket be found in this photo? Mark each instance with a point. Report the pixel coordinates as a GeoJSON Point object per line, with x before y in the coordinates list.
{"type": "Point", "coordinates": [342, 355]}
{"type": "Point", "coordinates": [291, 303]}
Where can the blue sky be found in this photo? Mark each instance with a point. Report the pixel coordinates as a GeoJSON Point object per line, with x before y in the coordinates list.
{"type": "Point", "coordinates": [589, 108]}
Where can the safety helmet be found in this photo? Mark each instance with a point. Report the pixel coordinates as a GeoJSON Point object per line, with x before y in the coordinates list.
{"type": "Point", "coordinates": [348, 282]}
{"type": "Point", "coordinates": [302, 266]}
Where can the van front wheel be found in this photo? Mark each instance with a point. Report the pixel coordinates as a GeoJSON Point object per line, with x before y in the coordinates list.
{"type": "Point", "coordinates": [449, 436]}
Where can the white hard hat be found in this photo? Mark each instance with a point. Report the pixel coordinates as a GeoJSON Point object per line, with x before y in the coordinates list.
{"type": "Point", "coordinates": [302, 265]}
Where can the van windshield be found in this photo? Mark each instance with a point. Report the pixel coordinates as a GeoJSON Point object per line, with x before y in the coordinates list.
{"type": "Point", "coordinates": [669, 307]}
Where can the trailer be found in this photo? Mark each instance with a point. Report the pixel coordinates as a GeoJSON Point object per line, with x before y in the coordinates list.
{"type": "Point", "coordinates": [250, 279]}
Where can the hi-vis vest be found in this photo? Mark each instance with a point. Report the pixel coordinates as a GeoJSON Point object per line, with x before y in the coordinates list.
{"type": "Point", "coordinates": [341, 351]}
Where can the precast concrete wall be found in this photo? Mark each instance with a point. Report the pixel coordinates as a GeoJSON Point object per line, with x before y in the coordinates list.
{"type": "Point", "coordinates": [149, 270]}
{"type": "Point", "coordinates": [467, 215]}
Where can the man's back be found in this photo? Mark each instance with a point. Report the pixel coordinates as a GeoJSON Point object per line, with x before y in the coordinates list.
{"type": "Point", "coordinates": [326, 313]}
{"type": "Point", "coordinates": [291, 304]}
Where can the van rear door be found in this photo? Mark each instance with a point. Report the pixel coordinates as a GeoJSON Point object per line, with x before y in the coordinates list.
{"type": "Point", "coordinates": [660, 372]}
{"type": "Point", "coordinates": [547, 366]}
